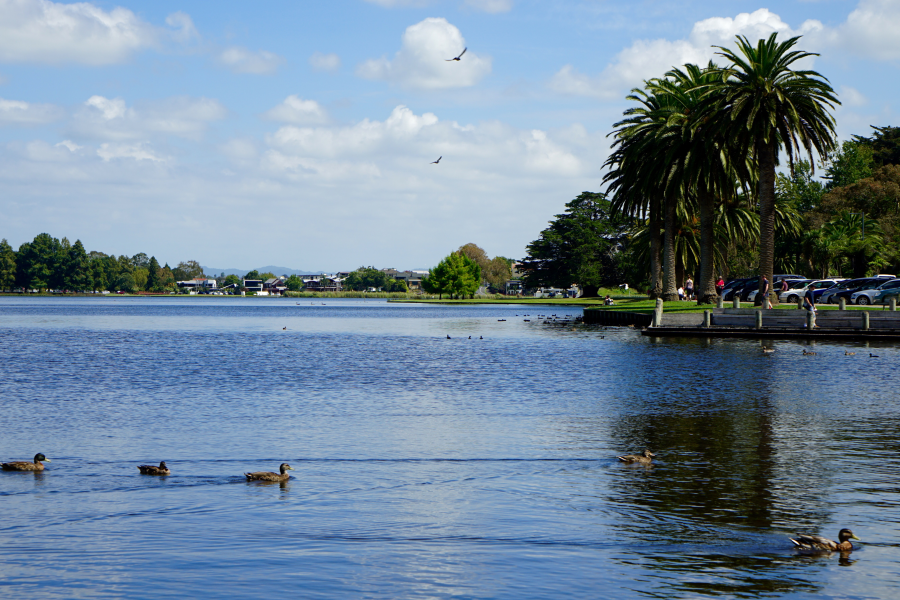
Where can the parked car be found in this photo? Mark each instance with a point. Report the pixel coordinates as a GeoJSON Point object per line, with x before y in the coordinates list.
{"type": "Point", "coordinates": [848, 287]}
{"type": "Point", "coordinates": [798, 289]}
{"type": "Point", "coordinates": [884, 296]}
{"type": "Point", "coordinates": [864, 297]}
{"type": "Point", "coordinates": [751, 297]}
{"type": "Point", "coordinates": [733, 285]}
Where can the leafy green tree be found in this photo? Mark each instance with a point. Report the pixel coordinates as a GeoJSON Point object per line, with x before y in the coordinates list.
{"type": "Point", "coordinates": [153, 279]}
{"type": "Point", "coordinates": [37, 261]}
{"type": "Point", "coordinates": [140, 276]}
{"type": "Point", "coordinates": [854, 161]}
{"type": "Point", "coordinates": [166, 279]}
{"type": "Point", "coordinates": [456, 275]}
{"type": "Point", "coordinates": [187, 270]}
{"type": "Point", "coordinates": [579, 247]}
{"type": "Point", "coordinates": [254, 274]}
{"type": "Point", "coordinates": [125, 282]}
{"type": "Point", "coordinates": [140, 261]}
{"type": "Point", "coordinates": [885, 145]}
{"type": "Point", "coordinates": [77, 276]}
{"type": "Point", "coordinates": [364, 278]}
{"type": "Point", "coordinates": [799, 189]}
{"type": "Point", "coordinates": [234, 279]}
{"type": "Point", "coordinates": [765, 106]}
{"type": "Point", "coordinates": [266, 275]}
{"type": "Point", "coordinates": [7, 266]}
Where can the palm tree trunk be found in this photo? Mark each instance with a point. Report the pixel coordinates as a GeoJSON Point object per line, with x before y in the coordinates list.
{"type": "Point", "coordinates": [655, 246]}
{"type": "Point", "coordinates": [670, 290]}
{"type": "Point", "coordinates": [705, 287]}
{"type": "Point", "coordinates": [765, 153]}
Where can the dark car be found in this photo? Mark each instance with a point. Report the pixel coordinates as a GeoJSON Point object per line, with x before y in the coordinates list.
{"type": "Point", "coordinates": [735, 284]}
{"type": "Point", "coordinates": [850, 286]}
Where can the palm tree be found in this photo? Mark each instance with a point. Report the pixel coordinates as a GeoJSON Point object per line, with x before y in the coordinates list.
{"type": "Point", "coordinates": [766, 106]}
{"type": "Point", "coordinates": [638, 175]}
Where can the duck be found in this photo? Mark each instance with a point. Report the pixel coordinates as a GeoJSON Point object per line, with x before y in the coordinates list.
{"type": "Point", "coordinates": [768, 350]}
{"type": "Point", "coordinates": [162, 469]}
{"type": "Point", "coordinates": [269, 476]}
{"type": "Point", "coordinates": [24, 465]}
{"type": "Point", "coordinates": [817, 543]}
{"type": "Point", "coordinates": [848, 353]}
{"type": "Point", "coordinates": [805, 353]}
{"type": "Point", "coordinates": [645, 458]}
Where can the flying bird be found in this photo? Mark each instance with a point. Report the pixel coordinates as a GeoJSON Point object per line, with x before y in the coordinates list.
{"type": "Point", "coordinates": [437, 161]}
{"type": "Point", "coordinates": [458, 57]}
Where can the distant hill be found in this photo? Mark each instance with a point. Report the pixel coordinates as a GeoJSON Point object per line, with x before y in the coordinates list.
{"type": "Point", "coordinates": [267, 269]}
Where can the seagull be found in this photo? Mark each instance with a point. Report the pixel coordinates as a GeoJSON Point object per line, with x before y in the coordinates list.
{"type": "Point", "coordinates": [436, 161]}
{"type": "Point", "coordinates": [458, 57]}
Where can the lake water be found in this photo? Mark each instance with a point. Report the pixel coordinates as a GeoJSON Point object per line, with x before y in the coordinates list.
{"type": "Point", "coordinates": [428, 467]}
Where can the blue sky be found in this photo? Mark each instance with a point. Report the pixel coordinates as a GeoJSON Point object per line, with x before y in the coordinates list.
{"type": "Point", "coordinates": [300, 133]}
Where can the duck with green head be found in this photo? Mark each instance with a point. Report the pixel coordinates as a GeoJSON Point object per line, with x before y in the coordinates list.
{"type": "Point", "coordinates": [817, 543]}
{"type": "Point", "coordinates": [24, 465]}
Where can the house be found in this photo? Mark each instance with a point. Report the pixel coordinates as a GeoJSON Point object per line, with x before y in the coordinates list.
{"type": "Point", "coordinates": [274, 285]}
{"type": "Point", "coordinates": [322, 283]}
{"type": "Point", "coordinates": [198, 283]}
{"type": "Point", "coordinates": [413, 279]}
{"type": "Point", "coordinates": [253, 285]}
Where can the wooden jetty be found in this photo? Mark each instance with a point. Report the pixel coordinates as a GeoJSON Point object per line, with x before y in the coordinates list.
{"type": "Point", "coordinates": [787, 323]}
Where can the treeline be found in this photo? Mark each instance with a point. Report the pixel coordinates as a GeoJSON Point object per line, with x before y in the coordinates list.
{"type": "Point", "coordinates": [466, 270]}
{"type": "Point", "coordinates": [47, 263]}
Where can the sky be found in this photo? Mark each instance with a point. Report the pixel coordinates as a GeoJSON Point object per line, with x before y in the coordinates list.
{"type": "Point", "coordinates": [302, 134]}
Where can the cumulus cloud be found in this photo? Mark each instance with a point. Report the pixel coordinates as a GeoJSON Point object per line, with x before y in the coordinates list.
{"type": "Point", "coordinates": [111, 119]}
{"type": "Point", "coordinates": [869, 31]}
{"type": "Point", "coordinates": [646, 59]}
{"type": "Point", "coordinates": [298, 111]}
{"type": "Point", "coordinates": [851, 97]}
{"type": "Point", "coordinates": [16, 112]}
{"type": "Point", "coordinates": [41, 31]}
{"type": "Point", "coordinates": [422, 63]}
{"type": "Point", "coordinates": [242, 60]}
{"type": "Point", "coordinates": [490, 6]}
{"type": "Point", "coordinates": [325, 62]}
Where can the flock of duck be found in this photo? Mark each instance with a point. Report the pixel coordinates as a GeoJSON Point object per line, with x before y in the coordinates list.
{"type": "Point", "coordinates": [39, 459]}
{"type": "Point", "coordinates": [803, 543]}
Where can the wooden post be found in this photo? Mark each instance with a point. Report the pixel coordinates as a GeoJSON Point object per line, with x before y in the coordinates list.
{"type": "Point", "coordinates": [842, 303]}
{"type": "Point", "coordinates": [759, 319]}
{"type": "Point", "coordinates": [707, 318]}
{"type": "Point", "coordinates": [811, 319]}
{"type": "Point", "coordinates": [658, 313]}
{"type": "Point", "coordinates": [893, 303]}
{"type": "Point", "coordinates": [719, 302]}
{"type": "Point", "coordinates": [736, 301]}
{"type": "Point", "coordinates": [865, 320]}
{"type": "Point", "coordinates": [799, 302]}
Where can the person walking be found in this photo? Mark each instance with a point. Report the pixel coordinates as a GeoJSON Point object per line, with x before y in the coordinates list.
{"type": "Point", "coordinates": [765, 292]}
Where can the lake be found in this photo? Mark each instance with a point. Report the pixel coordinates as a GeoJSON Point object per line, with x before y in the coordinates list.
{"type": "Point", "coordinates": [428, 467]}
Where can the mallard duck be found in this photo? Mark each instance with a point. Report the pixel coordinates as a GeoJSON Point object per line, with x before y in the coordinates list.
{"type": "Point", "coordinates": [645, 458]}
{"type": "Point", "coordinates": [817, 543]}
{"type": "Point", "coordinates": [162, 469]}
{"type": "Point", "coordinates": [24, 465]}
{"type": "Point", "coordinates": [269, 476]}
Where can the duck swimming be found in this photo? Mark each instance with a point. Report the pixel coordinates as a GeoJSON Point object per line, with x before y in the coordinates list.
{"type": "Point", "coordinates": [645, 458]}
{"type": "Point", "coordinates": [24, 465]}
{"type": "Point", "coordinates": [162, 469]}
{"type": "Point", "coordinates": [817, 543]}
{"type": "Point", "coordinates": [269, 476]}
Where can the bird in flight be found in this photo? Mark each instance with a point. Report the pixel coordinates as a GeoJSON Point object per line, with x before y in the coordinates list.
{"type": "Point", "coordinates": [434, 162]}
{"type": "Point", "coordinates": [458, 57]}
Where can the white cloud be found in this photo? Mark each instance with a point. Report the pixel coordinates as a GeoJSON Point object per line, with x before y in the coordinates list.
{"type": "Point", "coordinates": [40, 31]}
{"type": "Point", "coordinates": [16, 112]}
{"type": "Point", "coordinates": [69, 145]}
{"type": "Point", "coordinates": [111, 119]}
{"type": "Point", "coordinates": [422, 62]}
{"type": "Point", "coordinates": [298, 111]}
{"type": "Point", "coordinates": [491, 6]}
{"type": "Point", "coordinates": [183, 27]}
{"type": "Point", "coordinates": [325, 62]}
{"type": "Point", "coordinates": [242, 60]}
{"type": "Point", "coordinates": [870, 30]}
{"type": "Point", "coordinates": [646, 59]}
{"type": "Point", "coordinates": [851, 97]}
{"type": "Point", "coordinates": [108, 152]}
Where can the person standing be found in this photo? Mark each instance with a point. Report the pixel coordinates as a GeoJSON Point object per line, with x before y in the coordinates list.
{"type": "Point", "coordinates": [689, 288]}
{"type": "Point", "coordinates": [809, 299]}
{"type": "Point", "coordinates": [720, 285]}
{"type": "Point", "coordinates": [765, 292]}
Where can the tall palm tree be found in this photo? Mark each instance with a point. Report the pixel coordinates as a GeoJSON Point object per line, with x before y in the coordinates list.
{"type": "Point", "coordinates": [636, 181]}
{"type": "Point", "coordinates": [702, 163]}
{"type": "Point", "coordinates": [766, 106]}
